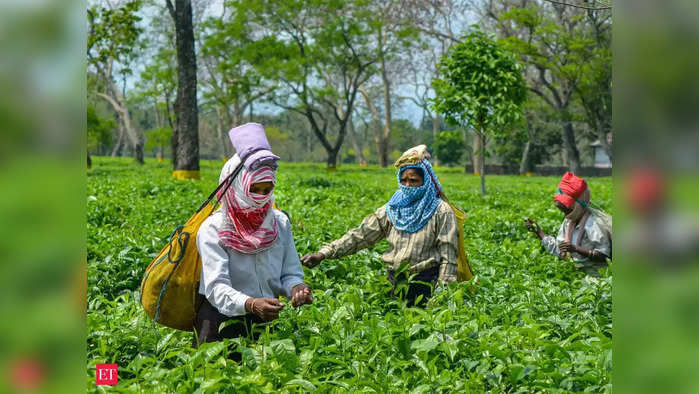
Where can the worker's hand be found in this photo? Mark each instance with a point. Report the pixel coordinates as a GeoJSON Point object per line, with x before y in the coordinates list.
{"type": "Point", "coordinates": [266, 308]}
{"type": "Point", "coordinates": [312, 259]}
{"type": "Point", "coordinates": [531, 225]}
{"type": "Point", "coordinates": [534, 227]}
{"type": "Point", "coordinates": [567, 247]}
{"type": "Point", "coordinates": [301, 294]}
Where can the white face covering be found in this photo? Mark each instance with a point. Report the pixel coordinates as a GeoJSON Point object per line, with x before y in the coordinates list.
{"type": "Point", "coordinates": [579, 209]}
{"type": "Point", "coordinates": [579, 214]}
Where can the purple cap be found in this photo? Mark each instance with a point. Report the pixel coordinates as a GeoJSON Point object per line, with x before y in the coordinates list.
{"type": "Point", "coordinates": [251, 145]}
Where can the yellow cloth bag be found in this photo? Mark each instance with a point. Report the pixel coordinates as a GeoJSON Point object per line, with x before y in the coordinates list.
{"type": "Point", "coordinates": [413, 156]}
{"type": "Point", "coordinates": [170, 285]}
{"type": "Point", "coordinates": [463, 269]}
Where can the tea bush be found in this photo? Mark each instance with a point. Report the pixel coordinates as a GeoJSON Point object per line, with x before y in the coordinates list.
{"type": "Point", "coordinates": [532, 323]}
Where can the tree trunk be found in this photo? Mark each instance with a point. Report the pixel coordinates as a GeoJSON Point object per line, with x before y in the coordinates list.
{"type": "Point", "coordinates": [138, 150]}
{"type": "Point", "coordinates": [156, 113]}
{"type": "Point", "coordinates": [118, 103]}
{"type": "Point", "coordinates": [120, 140]}
{"type": "Point", "coordinates": [525, 163]}
{"type": "Point", "coordinates": [381, 144]}
{"type": "Point", "coordinates": [227, 144]}
{"type": "Point", "coordinates": [385, 143]}
{"type": "Point", "coordinates": [477, 150]}
{"type": "Point", "coordinates": [221, 134]}
{"type": "Point", "coordinates": [598, 117]}
{"type": "Point", "coordinates": [338, 158]}
{"type": "Point", "coordinates": [332, 159]}
{"type": "Point", "coordinates": [309, 145]}
{"type": "Point", "coordinates": [167, 112]}
{"type": "Point", "coordinates": [382, 147]}
{"type": "Point", "coordinates": [219, 130]}
{"type": "Point", "coordinates": [89, 161]}
{"type": "Point", "coordinates": [602, 135]}
{"type": "Point", "coordinates": [349, 124]}
{"type": "Point", "coordinates": [481, 155]}
{"type": "Point", "coordinates": [469, 152]}
{"type": "Point", "coordinates": [174, 145]}
{"type": "Point", "coordinates": [570, 149]}
{"type": "Point", "coordinates": [361, 160]}
{"type": "Point", "coordinates": [159, 122]}
{"type": "Point", "coordinates": [435, 130]}
{"type": "Point", "coordinates": [186, 148]}
{"type": "Point", "coordinates": [238, 114]}
{"type": "Point", "coordinates": [332, 150]}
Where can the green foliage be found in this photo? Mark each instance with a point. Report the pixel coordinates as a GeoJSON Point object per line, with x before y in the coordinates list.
{"type": "Point", "coordinates": [595, 88]}
{"type": "Point", "coordinates": [404, 135]}
{"type": "Point", "coordinates": [449, 147]}
{"type": "Point", "coordinates": [301, 41]}
{"type": "Point", "coordinates": [509, 145]}
{"type": "Point", "coordinates": [304, 46]}
{"type": "Point", "coordinates": [158, 138]}
{"type": "Point", "coordinates": [560, 46]}
{"type": "Point", "coordinates": [279, 141]}
{"type": "Point", "coordinates": [540, 128]}
{"type": "Point", "coordinates": [113, 34]}
{"type": "Point", "coordinates": [98, 130]}
{"type": "Point", "coordinates": [233, 79]}
{"type": "Point", "coordinates": [159, 77]}
{"type": "Point", "coordinates": [480, 85]}
{"type": "Point", "coordinates": [317, 54]}
{"type": "Point", "coordinates": [568, 52]}
{"type": "Point", "coordinates": [533, 324]}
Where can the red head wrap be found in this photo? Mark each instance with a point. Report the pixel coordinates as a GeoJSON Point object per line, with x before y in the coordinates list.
{"type": "Point", "coordinates": [646, 189]}
{"type": "Point", "coordinates": [569, 189]}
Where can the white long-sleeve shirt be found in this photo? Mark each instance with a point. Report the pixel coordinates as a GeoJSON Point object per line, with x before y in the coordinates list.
{"type": "Point", "coordinates": [229, 278]}
{"type": "Point", "coordinates": [597, 235]}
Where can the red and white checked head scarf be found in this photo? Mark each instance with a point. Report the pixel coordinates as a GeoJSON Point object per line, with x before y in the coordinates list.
{"type": "Point", "coordinates": [249, 225]}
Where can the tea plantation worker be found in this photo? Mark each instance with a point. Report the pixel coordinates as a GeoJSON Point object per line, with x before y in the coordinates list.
{"type": "Point", "coordinates": [420, 228]}
{"type": "Point", "coordinates": [247, 250]}
{"type": "Point", "coordinates": [586, 232]}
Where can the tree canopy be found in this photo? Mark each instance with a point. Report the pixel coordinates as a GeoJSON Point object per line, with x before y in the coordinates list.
{"type": "Point", "coordinates": [337, 76]}
{"type": "Point", "coordinates": [480, 87]}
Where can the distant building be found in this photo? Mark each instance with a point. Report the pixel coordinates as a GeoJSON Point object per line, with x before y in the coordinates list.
{"type": "Point", "coordinates": [602, 159]}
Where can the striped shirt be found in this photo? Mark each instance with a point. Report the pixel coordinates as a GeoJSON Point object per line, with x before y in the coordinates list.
{"type": "Point", "coordinates": [435, 244]}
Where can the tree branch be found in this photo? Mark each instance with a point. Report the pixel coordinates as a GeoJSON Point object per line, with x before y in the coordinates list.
{"type": "Point", "coordinates": [261, 94]}
{"type": "Point", "coordinates": [438, 34]}
{"type": "Point", "coordinates": [542, 95]}
{"type": "Point", "coordinates": [123, 113]}
{"type": "Point", "coordinates": [554, 92]}
{"type": "Point", "coordinates": [171, 9]}
{"type": "Point", "coordinates": [580, 6]}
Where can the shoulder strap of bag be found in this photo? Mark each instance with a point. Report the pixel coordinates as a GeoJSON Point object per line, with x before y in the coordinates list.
{"type": "Point", "coordinates": [225, 185]}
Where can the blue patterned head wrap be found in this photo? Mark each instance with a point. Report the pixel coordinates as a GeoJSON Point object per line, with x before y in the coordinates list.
{"type": "Point", "coordinates": [410, 208]}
